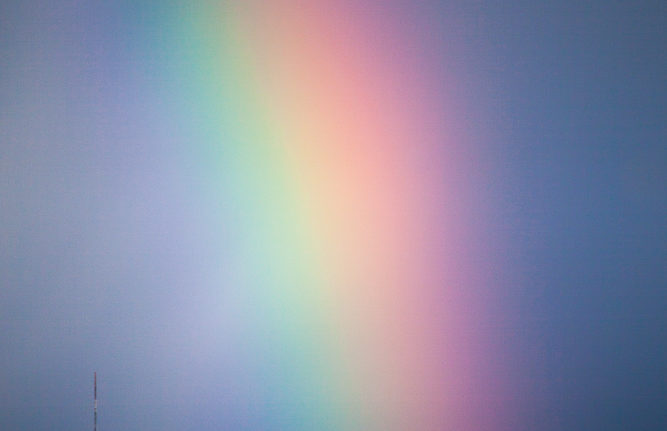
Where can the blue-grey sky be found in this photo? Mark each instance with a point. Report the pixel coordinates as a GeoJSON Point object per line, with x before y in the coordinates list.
{"type": "Point", "coordinates": [106, 257]}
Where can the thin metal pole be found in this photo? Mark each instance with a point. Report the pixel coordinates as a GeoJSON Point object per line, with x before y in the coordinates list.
{"type": "Point", "coordinates": [95, 396]}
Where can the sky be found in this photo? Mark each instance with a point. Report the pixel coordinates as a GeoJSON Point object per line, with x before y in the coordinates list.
{"type": "Point", "coordinates": [333, 215]}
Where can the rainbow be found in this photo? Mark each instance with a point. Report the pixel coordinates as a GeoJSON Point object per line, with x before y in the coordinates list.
{"type": "Point", "coordinates": [328, 142]}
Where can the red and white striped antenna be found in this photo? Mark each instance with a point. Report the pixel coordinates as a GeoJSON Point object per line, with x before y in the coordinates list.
{"type": "Point", "coordinates": [95, 398]}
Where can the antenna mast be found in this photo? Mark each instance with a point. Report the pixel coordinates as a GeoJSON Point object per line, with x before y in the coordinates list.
{"type": "Point", "coordinates": [95, 397]}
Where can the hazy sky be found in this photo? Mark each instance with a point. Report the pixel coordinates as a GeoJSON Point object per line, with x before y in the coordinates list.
{"type": "Point", "coordinates": [106, 216]}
